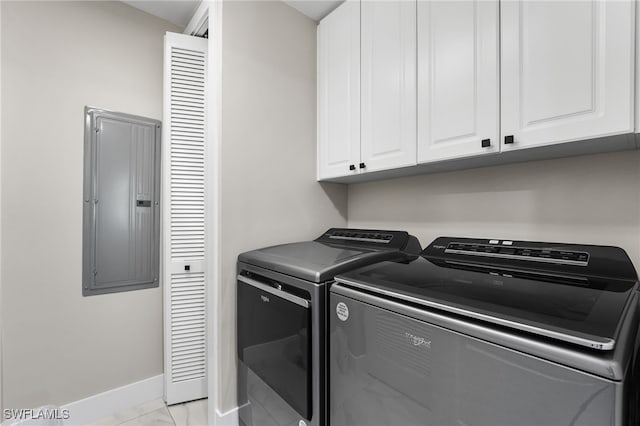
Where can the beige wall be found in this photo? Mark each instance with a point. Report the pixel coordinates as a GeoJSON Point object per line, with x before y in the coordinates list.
{"type": "Point", "coordinates": [58, 57]}
{"type": "Point", "coordinates": [591, 199]}
{"type": "Point", "coordinates": [269, 194]}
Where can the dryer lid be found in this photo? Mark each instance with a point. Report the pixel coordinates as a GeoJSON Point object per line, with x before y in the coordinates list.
{"type": "Point", "coordinates": [313, 261]}
{"type": "Point", "coordinates": [335, 251]}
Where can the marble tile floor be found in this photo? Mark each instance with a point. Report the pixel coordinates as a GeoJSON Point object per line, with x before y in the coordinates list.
{"type": "Point", "coordinates": [193, 413]}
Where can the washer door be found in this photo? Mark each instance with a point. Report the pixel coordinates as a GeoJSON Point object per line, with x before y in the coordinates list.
{"type": "Point", "coordinates": [274, 340]}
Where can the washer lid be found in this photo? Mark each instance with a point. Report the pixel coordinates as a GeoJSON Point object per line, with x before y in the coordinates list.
{"type": "Point", "coordinates": [315, 261]}
{"type": "Point", "coordinates": [586, 311]}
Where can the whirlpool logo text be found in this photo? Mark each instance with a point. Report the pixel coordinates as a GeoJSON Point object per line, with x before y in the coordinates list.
{"type": "Point", "coordinates": [417, 340]}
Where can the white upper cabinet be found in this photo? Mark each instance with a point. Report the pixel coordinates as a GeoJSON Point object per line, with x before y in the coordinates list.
{"type": "Point", "coordinates": [458, 79]}
{"type": "Point", "coordinates": [404, 83]}
{"type": "Point", "coordinates": [567, 71]}
{"type": "Point", "coordinates": [388, 84]}
{"type": "Point", "coordinates": [339, 92]}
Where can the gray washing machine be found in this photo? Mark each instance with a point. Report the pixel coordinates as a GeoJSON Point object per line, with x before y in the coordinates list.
{"type": "Point", "coordinates": [281, 320]}
{"type": "Point", "coordinates": [487, 332]}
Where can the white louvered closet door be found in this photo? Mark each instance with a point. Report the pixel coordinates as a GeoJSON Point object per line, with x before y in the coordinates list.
{"type": "Point", "coordinates": [184, 272]}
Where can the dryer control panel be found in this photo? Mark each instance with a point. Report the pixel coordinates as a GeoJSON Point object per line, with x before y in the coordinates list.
{"type": "Point", "coordinates": [398, 240]}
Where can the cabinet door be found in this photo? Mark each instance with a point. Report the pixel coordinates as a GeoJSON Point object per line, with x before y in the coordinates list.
{"type": "Point", "coordinates": [567, 71]}
{"type": "Point", "coordinates": [388, 84]}
{"type": "Point", "coordinates": [339, 92]}
{"type": "Point", "coordinates": [458, 110]}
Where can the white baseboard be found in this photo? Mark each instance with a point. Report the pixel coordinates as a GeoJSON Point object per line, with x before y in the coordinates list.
{"type": "Point", "coordinates": [114, 401]}
{"type": "Point", "coordinates": [228, 418]}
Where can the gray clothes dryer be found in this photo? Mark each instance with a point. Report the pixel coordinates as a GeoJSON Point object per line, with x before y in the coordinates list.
{"type": "Point", "coordinates": [487, 332]}
{"type": "Point", "coordinates": [281, 317]}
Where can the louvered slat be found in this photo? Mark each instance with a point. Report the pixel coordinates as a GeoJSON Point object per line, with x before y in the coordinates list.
{"type": "Point", "coordinates": [188, 330]}
{"type": "Point", "coordinates": [185, 216]}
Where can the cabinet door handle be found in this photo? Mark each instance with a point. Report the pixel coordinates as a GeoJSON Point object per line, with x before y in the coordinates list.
{"type": "Point", "coordinates": [352, 167]}
{"type": "Point", "coordinates": [508, 139]}
{"type": "Point", "coordinates": [362, 165]}
{"type": "Point", "coordinates": [486, 143]}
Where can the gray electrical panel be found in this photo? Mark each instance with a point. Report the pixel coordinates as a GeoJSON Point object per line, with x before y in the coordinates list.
{"type": "Point", "coordinates": [121, 214]}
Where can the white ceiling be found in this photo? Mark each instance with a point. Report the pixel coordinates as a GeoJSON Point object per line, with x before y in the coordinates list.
{"type": "Point", "coordinates": [180, 11]}
{"type": "Point", "coordinates": [175, 11]}
{"type": "Point", "coordinates": [314, 9]}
